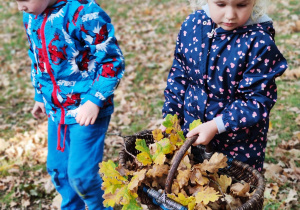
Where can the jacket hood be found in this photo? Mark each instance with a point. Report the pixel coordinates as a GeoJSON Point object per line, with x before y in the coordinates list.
{"type": "Point", "coordinates": [59, 3]}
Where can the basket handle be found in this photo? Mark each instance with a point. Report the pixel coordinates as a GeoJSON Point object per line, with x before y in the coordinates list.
{"type": "Point", "coordinates": [178, 158]}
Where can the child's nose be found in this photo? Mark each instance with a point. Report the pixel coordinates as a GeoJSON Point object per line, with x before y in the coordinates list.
{"type": "Point", "coordinates": [21, 7]}
{"type": "Point", "coordinates": [230, 13]}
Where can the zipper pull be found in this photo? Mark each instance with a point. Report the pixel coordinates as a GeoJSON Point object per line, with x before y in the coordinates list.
{"type": "Point", "coordinates": [211, 34]}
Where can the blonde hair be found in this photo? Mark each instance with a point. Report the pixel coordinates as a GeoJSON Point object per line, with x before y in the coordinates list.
{"type": "Point", "coordinates": [259, 8]}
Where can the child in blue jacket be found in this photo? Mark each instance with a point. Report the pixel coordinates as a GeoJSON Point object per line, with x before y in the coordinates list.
{"type": "Point", "coordinates": [223, 73]}
{"type": "Point", "coordinates": [76, 65]}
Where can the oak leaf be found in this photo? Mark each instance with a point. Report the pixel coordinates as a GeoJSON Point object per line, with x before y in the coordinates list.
{"type": "Point", "coordinates": [169, 130]}
{"type": "Point", "coordinates": [157, 134]}
{"type": "Point", "coordinates": [124, 195]}
{"type": "Point", "coordinates": [163, 147]}
{"type": "Point", "coordinates": [175, 187]}
{"type": "Point", "coordinates": [109, 200]}
{"type": "Point", "coordinates": [144, 157]}
{"type": "Point", "coordinates": [133, 205]}
{"type": "Point", "coordinates": [185, 163]}
{"type": "Point", "coordinates": [194, 124]}
{"type": "Point", "coordinates": [207, 195]}
{"type": "Point", "coordinates": [240, 189]}
{"type": "Point", "coordinates": [110, 185]}
{"type": "Point", "coordinates": [197, 177]}
{"type": "Point", "coordinates": [183, 178]}
{"type": "Point", "coordinates": [190, 201]}
{"type": "Point", "coordinates": [136, 180]}
{"type": "Point", "coordinates": [157, 171]}
{"type": "Point", "coordinates": [217, 161]}
{"type": "Point", "coordinates": [224, 181]}
{"type": "Point", "coordinates": [108, 169]}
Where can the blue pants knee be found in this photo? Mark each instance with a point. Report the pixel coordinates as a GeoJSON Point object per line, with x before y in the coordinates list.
{"type": "Point", "coordinates": [74, 172]}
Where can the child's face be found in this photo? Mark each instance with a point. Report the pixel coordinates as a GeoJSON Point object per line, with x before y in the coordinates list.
{"type": "Point", "coordinates": [34, 7]}
{"type": "Point", "coordinates": [230, 14]}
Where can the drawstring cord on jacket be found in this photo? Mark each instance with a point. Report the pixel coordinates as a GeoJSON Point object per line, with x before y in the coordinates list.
{"type": "Point", "coordinates": [62, 149]}
{"type": "Point", "coordinates": [62, 119]}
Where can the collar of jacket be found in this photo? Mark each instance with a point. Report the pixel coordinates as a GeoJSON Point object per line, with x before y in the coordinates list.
{"type": "Point", "coordinates": [55, 7]}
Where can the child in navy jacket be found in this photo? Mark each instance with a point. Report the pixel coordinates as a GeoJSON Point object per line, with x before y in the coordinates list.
{"type": "Point", "coordinates": [223, 73]}
{"type": "Point", "coordinates": [76, 65]}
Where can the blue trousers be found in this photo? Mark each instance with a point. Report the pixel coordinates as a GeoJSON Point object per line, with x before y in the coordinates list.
{"type": "Point", "coordinates": [74, 172]}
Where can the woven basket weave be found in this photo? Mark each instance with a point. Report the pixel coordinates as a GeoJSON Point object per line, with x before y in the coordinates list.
{"type": "Point", "coordinates": [237, 170]}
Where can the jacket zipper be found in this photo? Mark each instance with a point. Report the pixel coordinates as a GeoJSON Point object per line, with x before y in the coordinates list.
{"type": "Point", "coordinates": [48, 68]}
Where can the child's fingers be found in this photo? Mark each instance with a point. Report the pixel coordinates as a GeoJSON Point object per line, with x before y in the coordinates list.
{"type": "Point", "coordinates": [80, 119]}
{"type": "Point", "coordinates": [93, 120]}
{"type": "Point", "coordinates": [87, 121]}
{"type": "Point", "coordinates": [34, 114]}
{"type": "Point", "coordinates": [192, 133]}
{"type": "Point", "coordinates": [43, 109]}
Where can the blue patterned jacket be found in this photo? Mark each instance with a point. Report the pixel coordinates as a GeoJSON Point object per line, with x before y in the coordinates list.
{"type": "Point", "coordinates": [227, 74]}
{"type": "Point", "coordinates": [75, 57]}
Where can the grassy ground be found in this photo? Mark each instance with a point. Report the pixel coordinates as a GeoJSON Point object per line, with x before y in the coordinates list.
{"type": "Point", "coordinates": [146, 31]}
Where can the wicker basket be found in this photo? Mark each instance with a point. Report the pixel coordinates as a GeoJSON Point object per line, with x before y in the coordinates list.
{"type": "Point", "coordinates": [237, 170]}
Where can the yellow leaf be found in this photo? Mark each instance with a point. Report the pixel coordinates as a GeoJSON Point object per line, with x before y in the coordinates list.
{"type": "Point", "coordinates": [175, 187]}
{"type": "Point", "coordinates": [157, 134]}
{"type": "Point", "coordinates": [183, 200]}
{"type": "Point", "coordinates": [270, 126]}
{"type": "Point", "coordinates": [108, 169]}
{"type": "Point", "coordinates": [160, 159]}
{"type": "Point", "coordinates": [136, 180]}
{"type": "Point", "coordinates": [224, 181]}
{"type": "Point", "coordinates": [144, 158]}
{"type": "Point", "coordinates": [109, 185]}
{"type": "Point", "coordinates": [109, 200]}
{"type": "Point", "coordinates": [123, 196]}
{"type": "Point", "coordinates": [169, 130]}
{"type": "Point", "coordinates": [207, 195]}
{"type": "Point", "coordinates": [194, 124]}
{"type": "Point", "coordinates": [183, 178]}
{"type": "Point", "coordinates": [162, 147]}
{"type": "Point", "coordinates": [173, 138]}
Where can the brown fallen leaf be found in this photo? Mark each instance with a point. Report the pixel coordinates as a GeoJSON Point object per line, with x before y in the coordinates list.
{"type": "Point", "coordinates": [240, 189]}
{"type": "Point", "coordinates": [183, 177]}
{"type": "Point", "coordinates": [217, 161]}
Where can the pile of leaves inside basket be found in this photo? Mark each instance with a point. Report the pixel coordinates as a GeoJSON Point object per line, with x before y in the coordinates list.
{"type": "Point", "coordinates": [196, 185]}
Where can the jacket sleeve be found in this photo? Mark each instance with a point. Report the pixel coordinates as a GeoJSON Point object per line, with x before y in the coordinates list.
{"type": "Point", "coordinates": [97, 32]}
{"type": "Point", "coordinates": [34, 66]}
{"type": "Point", "coordinates": [177, 80]}
{"type": "Point", "coordinates": [38, 93]}
{"type": "Point", "coordinates": [257, 91]}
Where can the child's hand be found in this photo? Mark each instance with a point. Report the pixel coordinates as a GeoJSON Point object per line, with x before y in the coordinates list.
{"type": "Point", "coordinates": [38, 110]}
{"type": "Point", "coordinates": [87, 114]}
{"type": "Point", "coordinates": [205, 132]}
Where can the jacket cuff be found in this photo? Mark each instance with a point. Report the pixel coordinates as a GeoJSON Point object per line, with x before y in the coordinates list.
{"type": "Point", "coordinates": [38, 97]}
{"type": "Point", "coordinates": [95, 100]}
{"type": "Point", "coordinates": [220, 124]}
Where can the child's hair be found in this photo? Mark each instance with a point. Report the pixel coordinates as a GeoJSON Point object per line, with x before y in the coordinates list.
{"type": "Point", "coordinates": [259, 9]}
